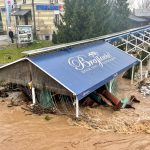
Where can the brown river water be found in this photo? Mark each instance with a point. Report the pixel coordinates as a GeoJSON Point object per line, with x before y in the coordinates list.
{"type": "Point", "coordinates": [20, 130]}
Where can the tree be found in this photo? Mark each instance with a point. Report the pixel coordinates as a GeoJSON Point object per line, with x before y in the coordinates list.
{"type": "Point", "coordinates": [0, 22]}
{"type": "Point", "coordinates": [54, 39]}
{"type": "Point", "coordinates": [85, 19]}
{"type": "Point", "coordinates": [120, 12]}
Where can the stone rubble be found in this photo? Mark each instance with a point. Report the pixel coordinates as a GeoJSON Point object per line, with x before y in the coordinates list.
{"type": "Point", "coordinates": [146, 74]}
{"type": "Point", "coordinates": [144, 86]}
{"type": "Point", "coordinates": [145, 89]}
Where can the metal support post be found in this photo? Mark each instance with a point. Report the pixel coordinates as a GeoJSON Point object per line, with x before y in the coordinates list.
{"type": "Point", "coordinates": [33, 96]}
{"type": "Point", "coordinates": [110, 85]}
{"type": "Point", "coordinates": [127, 44]}
{"type": "Point", "coordinates": [77, 107]}
{"type": "Point", "coordinates": [132, 77]}
{"type": "Point", "coordinates": [141, 70]}
{"type": "Point", "coordinates": [149, 64]}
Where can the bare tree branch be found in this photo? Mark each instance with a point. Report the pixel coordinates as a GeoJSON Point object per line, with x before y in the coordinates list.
{"type": "Point", "coordinates": [144, 4]}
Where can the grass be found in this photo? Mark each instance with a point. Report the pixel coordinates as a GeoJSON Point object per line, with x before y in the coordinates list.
{"type": "Point", "coordinates": [2, 82]}
{"type": "Point", "coordinates": [12, 53]}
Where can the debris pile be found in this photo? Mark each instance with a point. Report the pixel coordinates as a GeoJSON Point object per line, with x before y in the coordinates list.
{"type": "Point", "coordinates": [17, 99]}
{"type": "Point", "coordinates": [145, 74]}
{"type": "Point", "coordinates": [12, 94]}
{"type": "Point", "coordinates": [3, 93]}
{"type": "Point", "coordinates": [144, 87]}
{"type": "Point", "coordinates": [106, 120]}
{"type": "Point", "coordinates": [37, 109]}
{"type": "Point", "coordinates": [8, 88]}
{"type": "Point", "coordinates": [103, 97]}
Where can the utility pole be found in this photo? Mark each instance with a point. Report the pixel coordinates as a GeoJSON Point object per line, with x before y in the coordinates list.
{"type": "Point", "coordinates": [8, 8]}
{"type": "Point", "coordinates": [8, 5]}
{"type": "Point", "coordinates": [34, 22]}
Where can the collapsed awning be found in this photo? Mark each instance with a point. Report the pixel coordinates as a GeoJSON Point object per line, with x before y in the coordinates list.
{"type": "Point", "coordinates": [21, 12]}
{"type": "Point", "coordinates": [84, 68]}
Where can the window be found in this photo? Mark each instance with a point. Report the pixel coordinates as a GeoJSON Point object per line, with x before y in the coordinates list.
{"type": "Point", "coordinates": [53, 1]}
{"type": "Point", "coordinates": [47, 37]}
{"type": "Point", "coordinates": [24, 1]}
{"type": "Point", "coordinates": [56, 1]}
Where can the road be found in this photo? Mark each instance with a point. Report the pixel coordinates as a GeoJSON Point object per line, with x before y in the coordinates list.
{"type": "Point", "coordinates": [3, 40]}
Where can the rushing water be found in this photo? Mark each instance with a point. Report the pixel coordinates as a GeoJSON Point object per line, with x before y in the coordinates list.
{"type": "Point", "coordinates": [28, 132]}
{"type": "Point", "coordinates": [21, 131]}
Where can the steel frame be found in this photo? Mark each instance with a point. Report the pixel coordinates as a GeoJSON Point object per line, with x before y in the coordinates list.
{"type": "Point", "coordinates": [137, 47]}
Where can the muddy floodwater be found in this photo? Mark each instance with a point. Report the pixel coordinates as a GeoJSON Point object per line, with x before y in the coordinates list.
{"type": "Point", "coordinates": [28, 132]}
{"type": "Point", "coordinates": [22, 130]}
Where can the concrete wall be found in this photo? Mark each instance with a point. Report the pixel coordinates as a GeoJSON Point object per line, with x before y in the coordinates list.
{"type": "Point", "coordinates": [23, 72]}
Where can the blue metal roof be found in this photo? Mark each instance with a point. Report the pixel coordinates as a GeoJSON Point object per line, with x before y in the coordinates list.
{"type": "Point", "coordinates": [83, 69]}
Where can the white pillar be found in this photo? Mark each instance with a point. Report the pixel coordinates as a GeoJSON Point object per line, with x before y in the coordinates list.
{"type": "Point", "coordinates": [110, 86]}
{"type": "Point", "coordinates": [141, 70]}
{"type": "Point", "coordinates": [127, 45]}
{"type": "Point", "coordinates": [149, 64]}
{"type": "Point", "coordinates": [136, 44]}
{"type": "Point", "coordinates": [146, 74]}
{"type": "Point", "coordinates": [33, 96]}
{"type": "Point", "coordinates": [77, 108]}
{"type": "Point", "coordinates": [132, 77]}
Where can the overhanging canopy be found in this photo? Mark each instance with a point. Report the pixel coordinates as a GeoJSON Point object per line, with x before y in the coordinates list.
{"type": "Point", "coordinates": [21, 12]}
{"type": "Point", "coordinates": [84, 68]}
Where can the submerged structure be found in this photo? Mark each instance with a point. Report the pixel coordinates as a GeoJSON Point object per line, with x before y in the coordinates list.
{"type": "Point", "coordinates": [78, 69]}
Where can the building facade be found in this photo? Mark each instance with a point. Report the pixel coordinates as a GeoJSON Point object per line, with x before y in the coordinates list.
{"type": "Point", "coordinates": [46, 12]}
{"type": "Point", "coordinates": [140, 17]}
